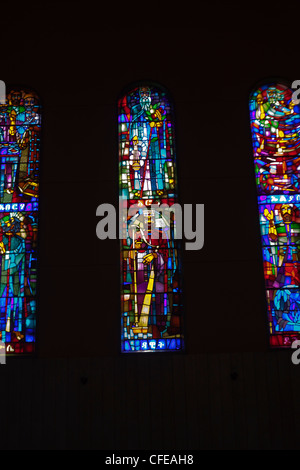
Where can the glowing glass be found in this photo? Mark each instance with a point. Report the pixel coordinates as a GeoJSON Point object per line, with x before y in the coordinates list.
{"type": "Point", "coordinates": [275, 126]}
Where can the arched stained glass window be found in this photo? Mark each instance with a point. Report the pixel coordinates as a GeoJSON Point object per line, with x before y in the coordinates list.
{"type": "Point", "coordinates": [151, 292]}
{"type": "Point", "coordinates": [275, 127]}
{"type": "Point", "coordinates": [19, 189]}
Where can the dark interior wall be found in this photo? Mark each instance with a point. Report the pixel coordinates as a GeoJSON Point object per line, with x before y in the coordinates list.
{"type": "Point", "coordinates": [166, 403]}
{"type": "Point", "coordinates": [78, 58]}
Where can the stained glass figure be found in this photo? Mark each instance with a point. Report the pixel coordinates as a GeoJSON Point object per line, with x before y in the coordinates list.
{"type": "Point", "coordinates": [20, 124]}
{"type": "Point", "coordinates": [275, 126]}
{"type": "Point", "coordinates": [151, 290]}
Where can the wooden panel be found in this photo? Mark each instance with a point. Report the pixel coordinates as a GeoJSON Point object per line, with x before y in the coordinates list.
{"type": "Point", "coordinates": [275, 405]}
{"type": "Point", "coordinates": [286, 369]}
{"type": "Point", "coordinates": [262, 411]}
{"type": "Point", "coordinates": [192, 403]}
{"type": "Point", "coordinates": [203, 397]}
{"type": "Point", "coordinates": [168, 403]}
{"type": "Point", "coordinates": [215, 403]}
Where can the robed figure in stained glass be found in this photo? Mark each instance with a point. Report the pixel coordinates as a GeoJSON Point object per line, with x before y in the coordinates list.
{"type": "Point", "coordinates": [19, 187]}
{"type": "Point", "coordinates": [275, 125]}
{"type": "Point", "coordinates": [150, 258]}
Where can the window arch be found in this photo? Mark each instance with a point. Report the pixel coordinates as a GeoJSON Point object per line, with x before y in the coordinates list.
{"type": "Point", "coordinates": [20, 125]}
{"type": "Point", "coordinates": [151, 291]}
{"type": "Point", "coordinates": [275, 128]}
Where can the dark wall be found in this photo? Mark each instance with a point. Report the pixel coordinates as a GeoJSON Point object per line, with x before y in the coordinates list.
{"type": "Point", "coordinates": [78, 58]}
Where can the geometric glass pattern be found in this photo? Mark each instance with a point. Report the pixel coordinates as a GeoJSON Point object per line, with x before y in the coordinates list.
{"type": "Point", "coordinates": [20, 125]}
{"type": "Point", "coordinates": [275, 128]}
{"type": "Point", "coordinates": [151, 287]}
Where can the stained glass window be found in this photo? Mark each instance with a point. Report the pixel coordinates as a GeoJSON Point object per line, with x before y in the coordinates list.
{"type": "Point", "coordinates": [19, 189]}
{"type": "Point", "coordinates": [275, 127]}
{"type": "Point", "coordinates": [151, 290]}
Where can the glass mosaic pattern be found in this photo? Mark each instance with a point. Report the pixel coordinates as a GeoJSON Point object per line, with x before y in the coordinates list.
{"type": "Point", "coordinates": [151, 292]}
{"type": "Point", "coordinates": [275, 127]}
